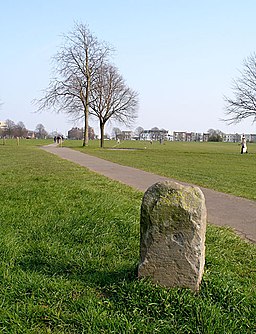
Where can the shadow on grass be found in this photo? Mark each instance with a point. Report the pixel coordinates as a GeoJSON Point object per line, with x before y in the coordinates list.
{"type": "Point", "coordinates": [92, 276]}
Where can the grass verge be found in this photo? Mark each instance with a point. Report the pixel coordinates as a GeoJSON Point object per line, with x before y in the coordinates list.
{"type": "Point", "coordinates": [218, 166]}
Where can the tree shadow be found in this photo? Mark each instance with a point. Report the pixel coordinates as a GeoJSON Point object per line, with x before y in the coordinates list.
{"type": "Point", "coordinates": [93, 276]}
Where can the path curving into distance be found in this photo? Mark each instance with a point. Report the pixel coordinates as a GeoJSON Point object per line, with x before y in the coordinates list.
{"type": "Point", "coordinates": [222, 209]}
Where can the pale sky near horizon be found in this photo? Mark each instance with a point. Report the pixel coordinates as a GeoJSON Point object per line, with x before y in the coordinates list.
{"type": "Point", "coordinates": [181, 56]}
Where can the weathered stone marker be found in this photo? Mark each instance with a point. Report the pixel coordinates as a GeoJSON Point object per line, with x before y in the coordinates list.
{"type": "Point", "coordinates": [172, 236]}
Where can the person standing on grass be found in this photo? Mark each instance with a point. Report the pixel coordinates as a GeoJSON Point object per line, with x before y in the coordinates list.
{"type": "Point", "coordinates": [243, 145]}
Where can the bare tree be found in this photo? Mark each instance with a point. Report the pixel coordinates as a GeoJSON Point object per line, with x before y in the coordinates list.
{"type": "Point", "coordinates": [9, 128]}
{"type": "Point", "coordinates": [116, 132]}
{"type": "Point", "coordinates": [20, 130]}
{"type": "Point", "coordinates": [155, 133]}
{"type": "Point", "coordinates": [138, 131]}
{"type": "Point", "coordinates": [77, 63]}
{"type": "Point", "coordinates": [243, 105]}
{"type": "Point", "coordinates": [215, 135]}
{"type": "Point", "coordinates": [112, 99]}
{"type": "Point", "coordinates": [40, 131]}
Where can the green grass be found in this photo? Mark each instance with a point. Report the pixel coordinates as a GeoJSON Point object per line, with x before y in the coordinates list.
{"type": "Point", "coordinates": [218, 166]}
{"type": "Point", "coordinates": [25, 142]}
{"type": "Point", "coordinates": [69, 249]}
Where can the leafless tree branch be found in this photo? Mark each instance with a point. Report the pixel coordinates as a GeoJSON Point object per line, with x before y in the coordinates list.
{"type": "Point", "coordinates": [243, 104]}
{"type": "Point", "coordinates": [112, 98]}
{"type": "Point", "coordinates": [76, 65]}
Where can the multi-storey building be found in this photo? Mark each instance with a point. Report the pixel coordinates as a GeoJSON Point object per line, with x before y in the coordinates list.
{"type": "Point", "coordinates": [231, 138]}
{"type": "Point", "coordinates": [155, 134]}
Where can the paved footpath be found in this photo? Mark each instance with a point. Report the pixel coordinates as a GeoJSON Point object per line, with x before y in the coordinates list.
{"type": "Point", "coordinates": [222, 209]}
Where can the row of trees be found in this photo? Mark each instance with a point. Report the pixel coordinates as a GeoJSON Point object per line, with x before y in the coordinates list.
{"type": "Point", "coordinates": [215, 135]}
{"type": "Point", "coordinates": [11, 130]}
{"type": "Point", "coordinates": [87, 84]}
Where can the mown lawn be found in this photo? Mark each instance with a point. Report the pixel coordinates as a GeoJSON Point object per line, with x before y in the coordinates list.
{"type": "Point", "coordinates": [69, 250]}
{"type": "Point", "coordinates": [218, 166]}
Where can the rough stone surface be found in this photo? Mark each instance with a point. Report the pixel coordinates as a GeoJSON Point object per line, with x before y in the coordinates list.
{"type": "Point", "coordinates": [172, 240]}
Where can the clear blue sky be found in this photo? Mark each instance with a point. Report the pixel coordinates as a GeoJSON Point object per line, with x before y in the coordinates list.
{"type": "Point", "coordinates": [180, 56]}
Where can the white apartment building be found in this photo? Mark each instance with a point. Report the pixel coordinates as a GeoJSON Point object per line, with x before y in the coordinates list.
{"type": "Point", "coordinates": [2, 125]}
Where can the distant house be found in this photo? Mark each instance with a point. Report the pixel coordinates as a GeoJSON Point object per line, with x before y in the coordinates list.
{"type": "Point", "coordinates": [206, 136]}
{"type": "Point", "coordinates": [179, 136]}
{"type": "Point", "coordinates": [231, 138]}
{"type": "Point", "coordinates": [78, 133]}
{"type": "Point", "coordinates": [247, 137]}
{"type": "Point", "coordinates": [3, 127]}
{"type": "Point", "coordinates": [125, 135]}
{"type": "Point", "coordinates": [91, 133]}
{"type": "Point", "coordinates": [253, 138]}
{"type": "Point", "coordinates": [155, 134]}
{"type": "Point", "coordinates": [194, 136]}
{"type": "Point", "coordinates": [187, 136]}
{"type": "Point", "coordinates": [75, 134]}
{"type": "Point", "coordinates": [170, 136]}
{"type": "Point", "coordinates": [145, 135]}
{"type": "Point", "coordinates": [30, 134]}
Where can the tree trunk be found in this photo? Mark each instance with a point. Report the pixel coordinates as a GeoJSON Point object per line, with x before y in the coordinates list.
{"type": "Point", "coordinates": [84, 137]}
{"type": "Point", "coordinates": [101, 134]}
{"type": "Point", "coordinates": [86, 111]}
{"type": "Point", "coordinates": [86, 126]}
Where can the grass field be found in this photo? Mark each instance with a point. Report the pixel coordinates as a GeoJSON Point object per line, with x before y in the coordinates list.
{"type": "Point", "coordinates": [69, 249]}
{"type": "Point", "coordinates": [218, 166]}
